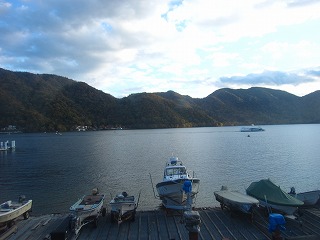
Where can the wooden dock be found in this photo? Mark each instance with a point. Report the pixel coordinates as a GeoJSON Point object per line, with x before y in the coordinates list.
{"type": "Point", "coordinates": [159, 224]}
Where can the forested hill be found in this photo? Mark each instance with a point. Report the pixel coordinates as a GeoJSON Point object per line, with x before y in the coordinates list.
{"type": "Point", "coordinates": [43, 102]}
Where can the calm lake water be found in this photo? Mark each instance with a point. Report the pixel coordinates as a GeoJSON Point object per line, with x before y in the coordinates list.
{"type": "Point", "coordinates": [56, 170]}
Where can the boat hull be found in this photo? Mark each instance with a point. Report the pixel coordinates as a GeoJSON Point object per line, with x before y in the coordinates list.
{"type": "Point", "coordinates": [252, 129]}
{"type": "Point", "coordinates": [85, 210]}
{"type": "Point", "coordinates": [172, 194]}
{"type": "Point", "coordinates": [236, 200]}
{"type": "Point", "coordinates": [309, 198]}
{"type": "Point", "coordinates": [123, 211]}
{"type": "Point", "coordinates": [288, 210]}
{"type": "Point", "coordinates": [123, 207]}
{"type": "Point", "coordinates": [11, 214]}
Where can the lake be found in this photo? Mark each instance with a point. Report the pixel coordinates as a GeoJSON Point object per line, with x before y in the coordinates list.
{"type": "Point", "coordinates": [55, 170]}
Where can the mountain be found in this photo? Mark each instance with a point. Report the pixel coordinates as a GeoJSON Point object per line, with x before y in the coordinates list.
{"type": "Point", "coordinates": [44, 102]}
{"type": "Point", "coordinates": [254, 105]}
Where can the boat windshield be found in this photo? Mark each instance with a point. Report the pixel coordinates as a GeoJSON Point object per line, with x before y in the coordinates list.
{"type": "Point", "coordinates": [176, 171]}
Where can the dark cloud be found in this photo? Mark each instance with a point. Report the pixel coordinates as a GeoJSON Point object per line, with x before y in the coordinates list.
{"type": "Point", "coordinates": [64, 37]}
{"type": "Point", "coordinates": [314, 72]}
{"type": "Point", "coordinates": [267, 77]}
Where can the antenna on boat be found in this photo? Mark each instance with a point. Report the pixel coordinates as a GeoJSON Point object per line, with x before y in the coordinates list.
{"type": "Point", "coordinates": [139, 198]}
{"type": "Point", "coordinates": [152, 186]}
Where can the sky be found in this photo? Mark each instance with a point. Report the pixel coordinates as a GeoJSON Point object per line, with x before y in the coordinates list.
{"type": "Point", "coordinates": [192, 47]}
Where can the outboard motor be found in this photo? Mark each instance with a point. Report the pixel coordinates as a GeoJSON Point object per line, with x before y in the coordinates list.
{"type": "Point", "coordinates": [22, 198]}
{"type": "Point", "coordinates": [187, 186]}
{"type": "Point", "coordinates": [192, 221]}
{"type": "Point", "coordinates": [292, 191]}
{"type": "Point", "coordinates": [95, 191]}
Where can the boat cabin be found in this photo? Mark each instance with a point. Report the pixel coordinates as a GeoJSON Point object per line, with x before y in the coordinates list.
{"type": "Point", "coordinates": [175, 172]}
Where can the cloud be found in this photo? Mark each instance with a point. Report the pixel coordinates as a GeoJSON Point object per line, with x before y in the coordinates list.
{"type": "Point", "coordinates": [298, 3]}
{"type": "Point", "coordinates": [267, 78]}
{"type": "Point", "coordinates": [314, 72]}
{"type": "Point", "coordinates": [186, 46]}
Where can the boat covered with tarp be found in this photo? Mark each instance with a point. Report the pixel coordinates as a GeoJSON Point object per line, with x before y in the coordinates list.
{"type": "Point", "coordinates": [271, 195]}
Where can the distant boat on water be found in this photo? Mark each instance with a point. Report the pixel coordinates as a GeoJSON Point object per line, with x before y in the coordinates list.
{"type": "Point", "coordinates": [4, 146]}
{"type": "Point", "coordinates": [252, 128]}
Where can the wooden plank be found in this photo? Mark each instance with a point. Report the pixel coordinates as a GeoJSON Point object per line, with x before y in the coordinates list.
{"type": "Point", "coordinates": [153, 226]}
{"type": "Point", "coordinates": [159, 225]}
{"type": "Point", "coordinates": [8, 232]}
{"type": "Point", "coordinates": [171, 226]}
{"type": "Point", "coordinates": [163, 228]}
{"type": "Point", "coordinates": [181, 228]}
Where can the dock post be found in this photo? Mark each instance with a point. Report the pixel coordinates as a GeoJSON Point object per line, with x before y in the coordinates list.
{"type": "Point", "coordinates": [191, 218]}
{"type": "Point", "coordinates": [13, 144]}
{"type": "Point", "coordinates": [192, 223]}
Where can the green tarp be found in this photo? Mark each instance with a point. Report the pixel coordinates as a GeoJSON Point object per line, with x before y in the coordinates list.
{"type": "Point", "coordinates": [266, 190]}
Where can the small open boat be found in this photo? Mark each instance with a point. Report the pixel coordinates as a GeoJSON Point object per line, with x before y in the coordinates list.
{"type": "Point", "coordinates": [123, 207]}
{"type": "Point", "coordinates": [170, 189]}
{"type": "Point", "coordinates": [272, 196]}
{"type": "Point", "coordinates": [309, 198]}
{"type": "Point", "coordinates": [11, 210]}
{"type": "Point", "coordinates": [87, 210]}
{"type": "Point", "coordinates": [235, 200]}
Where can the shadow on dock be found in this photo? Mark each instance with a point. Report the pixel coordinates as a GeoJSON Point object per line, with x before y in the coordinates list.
{"type": "Point", "coordinates": [159, 224]}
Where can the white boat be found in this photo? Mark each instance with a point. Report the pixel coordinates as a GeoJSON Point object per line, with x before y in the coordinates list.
{"type": "Point", "coordinates": [11, 210]}
{"type": "Point", "coordinates": [5, 146]}
{"type": "Point", "coordinates": [252, 129]}
{"type": "Point", "coordinates": [309, 198]}
{"type": "Point", "coordinates": [235, 200]}
{"type": "Point", "coordinates": [123, 207]}
{"type": "Point", "coordinates": [170, 189]}
{"type": "Point", "coordinates": [86, 210]}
